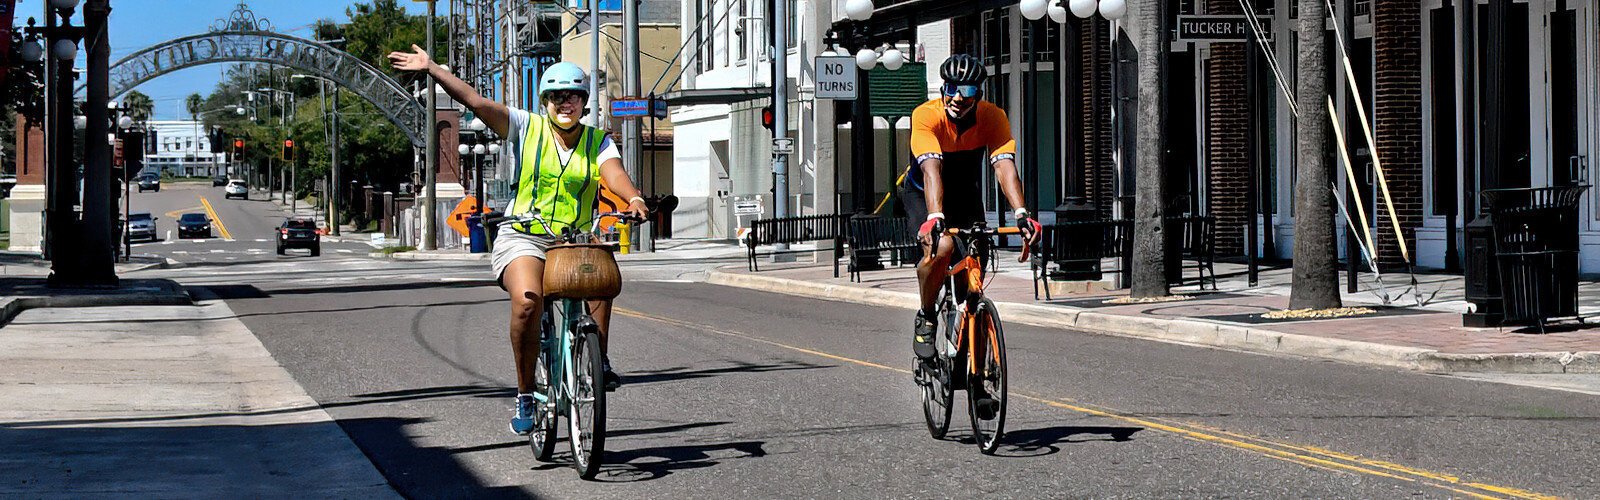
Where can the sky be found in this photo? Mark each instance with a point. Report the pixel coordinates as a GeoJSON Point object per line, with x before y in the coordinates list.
{"type": "Point", "coordinates": [137, 24]}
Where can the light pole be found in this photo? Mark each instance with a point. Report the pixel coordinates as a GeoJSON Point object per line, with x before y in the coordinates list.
{"type": "Point", "coordinates": [485, 143]}
{"type": "Point", "coordinates": [430, 208]}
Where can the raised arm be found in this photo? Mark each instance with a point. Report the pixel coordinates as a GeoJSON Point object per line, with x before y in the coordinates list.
{"type": "Point", "coordinates": [493, 114]}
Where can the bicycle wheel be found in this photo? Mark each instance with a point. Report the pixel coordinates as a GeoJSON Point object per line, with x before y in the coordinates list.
{"type": "Point", "coordinates": [588, 413]}
{"type": "Point", "coordinates": [989, 380]}
{"type": "Point", "coordinates": [543, 438]}
{"type": "Point", "coordinates": [934, 379]}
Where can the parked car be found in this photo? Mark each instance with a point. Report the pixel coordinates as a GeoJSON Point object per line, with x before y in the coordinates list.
{"type": "Point", "coordinates": [219, 180]}
{"type": "Point", "coordinates": [141, 226]}
{"type": "Point", "coordinates": [150, 183]}
{"type": "Point", "coordinates": [236, 189]}
{"type": "Point", "coordinates": [194, 225]}
{"type": "Point", "coordinates": [299, 232]}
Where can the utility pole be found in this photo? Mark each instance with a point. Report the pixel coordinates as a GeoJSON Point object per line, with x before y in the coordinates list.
{"type": "Point", "coordinates": [430, 208]}
{"type": "Point", "coordinates": [333, 188]}
{"type": "Point", "coordinates": [631, 136]}
{"type": "Point", "coordinates": [780, 109]}
{"type": "Point", "coordinates": [594, 63]}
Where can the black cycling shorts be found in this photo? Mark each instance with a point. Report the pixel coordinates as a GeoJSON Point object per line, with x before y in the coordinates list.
{"type": "Point", "coordinates": [959, 211]}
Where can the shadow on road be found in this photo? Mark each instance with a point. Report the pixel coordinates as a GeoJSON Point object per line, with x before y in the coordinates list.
{"type": "Point", "coordinates": [1041, 442]}
{"type": "Point", "coordinates": [646, 464]}
{"type": "Point", "coordinates": [685, 373]}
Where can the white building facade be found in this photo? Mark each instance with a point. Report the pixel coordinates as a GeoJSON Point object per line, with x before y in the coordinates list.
{"type": "Point", "coordinates": [182, 148]}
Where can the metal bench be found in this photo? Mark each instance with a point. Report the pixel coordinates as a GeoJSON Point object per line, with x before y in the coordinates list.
{"type": "Point", "coordinates": [1077, 248]}
{"type": "Point", "coordinates": [878, 234]}
{"type": "Point", "coordinates": [1197, 241]}
{"type": "Point", "coordinates": [798, 229]}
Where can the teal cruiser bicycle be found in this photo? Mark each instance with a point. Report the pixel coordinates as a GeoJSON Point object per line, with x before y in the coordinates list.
{"type": "Point", "coordinates": [568, 381]}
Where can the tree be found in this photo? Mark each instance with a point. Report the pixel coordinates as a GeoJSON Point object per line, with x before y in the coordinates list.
{"type": "Point", "coordinates": [140, 106]}
{"type": "Point", "coordinates": [1149, 205]}
{"type": "Point", "coordinates": [194, 103]}
{"type": "Point", "coordinates": [1316, 271]}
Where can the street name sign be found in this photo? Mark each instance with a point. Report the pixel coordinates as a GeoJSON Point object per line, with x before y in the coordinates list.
{"type": "Point", "coordinates": [634, 107]}
{"type": "Point", "coordinates": [836, 77]}
{"type": "Point", "coordinates": [1219, 28]}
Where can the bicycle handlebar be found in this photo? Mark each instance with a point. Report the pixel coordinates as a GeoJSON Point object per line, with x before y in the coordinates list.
{"type": "Point", "coordinates": [1026, 249]}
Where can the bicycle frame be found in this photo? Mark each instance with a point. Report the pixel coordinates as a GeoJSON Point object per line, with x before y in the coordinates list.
{"type": "Point", "coordinates": [558, 346]}
{"type": "Point", "coordinates": [967, 335]}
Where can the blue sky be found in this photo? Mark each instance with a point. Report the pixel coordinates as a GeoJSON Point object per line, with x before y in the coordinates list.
{"type": "Point", "coordinates": [136, 24]}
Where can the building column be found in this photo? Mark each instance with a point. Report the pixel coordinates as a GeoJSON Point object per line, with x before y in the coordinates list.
{"type": "Point", "coordinates": [27, 200]}
{"type": "Point", "coordinates": [1397, 47]}
{"type": "Point", "coordinates": [1099, 173]}
{"type": "Point", "coordinates": [1228, 137]}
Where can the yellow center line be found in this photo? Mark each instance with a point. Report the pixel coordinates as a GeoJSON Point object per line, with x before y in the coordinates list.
{"type": "Point", "coordinates": [217, 221]}
{"type": "Point", "coordinates": [1309, 456]}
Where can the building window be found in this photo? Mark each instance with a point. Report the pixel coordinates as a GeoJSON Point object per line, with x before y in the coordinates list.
{"type": "Point", "coordinates": [742, 12]}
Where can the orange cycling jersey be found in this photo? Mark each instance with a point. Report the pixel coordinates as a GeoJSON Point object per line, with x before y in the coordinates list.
{"type": "Point", "coordinates": [959, 146]}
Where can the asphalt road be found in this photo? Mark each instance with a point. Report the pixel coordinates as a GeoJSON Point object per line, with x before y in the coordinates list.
{"type": "Point", "coordinates": [734, 393]}
{"type": "Point", "coordinates": [243, 231]}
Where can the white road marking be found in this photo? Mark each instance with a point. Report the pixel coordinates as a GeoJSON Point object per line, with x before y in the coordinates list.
{"type": "Point", "coordinates": [262, 240]}
{"type": "Point", "coordinates": [185, 252]}
{"type": "Point", "coordinates": [218, 250]}
{"type": "Point", "coordinates": [344, 250]}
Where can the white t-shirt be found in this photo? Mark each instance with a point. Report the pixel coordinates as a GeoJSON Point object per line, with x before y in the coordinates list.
{"type": "Point", "coordinates": [517, 132]}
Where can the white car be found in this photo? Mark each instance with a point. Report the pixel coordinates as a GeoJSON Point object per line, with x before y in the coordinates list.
{"type": "Point", "coordinates": [236, 189]}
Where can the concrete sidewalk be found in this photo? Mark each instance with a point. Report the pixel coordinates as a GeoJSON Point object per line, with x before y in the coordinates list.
{"type": "Point", "coordinates": [1429, 338]}
{"type": "Point", "coordinates": [162, 401]}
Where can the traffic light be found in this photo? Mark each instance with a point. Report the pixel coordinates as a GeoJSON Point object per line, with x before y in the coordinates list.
{"type": "Point", "coordinates": [766, 117]}
{"type": "Point", "coordinates": [288, 149]}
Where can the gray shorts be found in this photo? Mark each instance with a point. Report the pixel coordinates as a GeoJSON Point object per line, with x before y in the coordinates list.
{"type": "Point", "coordinates": [510, 244]}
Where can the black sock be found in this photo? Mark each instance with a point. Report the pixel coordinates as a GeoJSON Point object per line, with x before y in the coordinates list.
{"type": "Point", "coordinates": [925, 314]}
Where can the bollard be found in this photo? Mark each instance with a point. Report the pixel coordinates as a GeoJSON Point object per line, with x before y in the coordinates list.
{"type": "Point", "coordinates": [622, 237]}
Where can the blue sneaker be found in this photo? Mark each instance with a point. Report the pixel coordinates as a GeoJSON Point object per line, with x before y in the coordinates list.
{"type": "Point", "coordinates": [522, 423]}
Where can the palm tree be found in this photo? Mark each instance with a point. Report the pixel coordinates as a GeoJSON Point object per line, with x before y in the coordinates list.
{"type": "Point", "coordinates": [1149, 205]}
{"type": "Point", "coordinates": [194, 102]}
{"type": "Point", "coordinates": [1316, 271]}
{"type": "Point", "coordinates": [139, 105]}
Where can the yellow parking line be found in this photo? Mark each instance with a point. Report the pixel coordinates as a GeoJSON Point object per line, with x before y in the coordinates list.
{"type": "Point", "coordinates": [217, 221]}
{"type": "Point", "coordinates": [176, 213]}
{"type": "Point", "coordinates": [1308, 456]}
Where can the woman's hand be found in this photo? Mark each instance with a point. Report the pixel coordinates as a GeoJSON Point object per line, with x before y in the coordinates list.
{"type": "Point", "coordinates": [414, 61]}
{"type": "Point", "coordinates": [638, 208]}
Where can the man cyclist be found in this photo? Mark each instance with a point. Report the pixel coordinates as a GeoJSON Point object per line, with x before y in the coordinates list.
{"type": "Point", "coordinates": [560, 166]}
{"type": "Point", "coordinates": [952, 137]}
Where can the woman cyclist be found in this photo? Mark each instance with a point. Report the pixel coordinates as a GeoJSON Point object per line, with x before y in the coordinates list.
{"type": "Point", "coordinates": [560, 165]}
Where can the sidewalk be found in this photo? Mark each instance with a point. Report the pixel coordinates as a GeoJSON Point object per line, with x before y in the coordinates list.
{"type": "Point", "coordinates": [162, 401]}
{"type": "Point", "coordinates": [1428, 338]}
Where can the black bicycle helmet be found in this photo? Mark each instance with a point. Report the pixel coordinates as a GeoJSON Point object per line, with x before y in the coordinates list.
{"type": "Point", "coordinates": [963, 69]}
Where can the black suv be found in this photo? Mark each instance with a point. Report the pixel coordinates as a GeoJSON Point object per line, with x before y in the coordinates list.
{"type": "Point", "coordinates": [299, 232]}
{"type": "Point", "coordinates": [149, 183]}
{"type": "Point", "coordinates": [194, 225]}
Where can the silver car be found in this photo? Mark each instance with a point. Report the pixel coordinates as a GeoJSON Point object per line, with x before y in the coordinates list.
{"type": "Point", "coordinates": [141, 226]}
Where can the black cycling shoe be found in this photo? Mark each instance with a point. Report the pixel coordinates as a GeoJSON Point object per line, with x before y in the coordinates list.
{"type": "Point", "coordinates": [610, 378]}
{"type": "Point", "coordinates": [922, 341]}
{"type": "Point", "coordinates": [987, 407]}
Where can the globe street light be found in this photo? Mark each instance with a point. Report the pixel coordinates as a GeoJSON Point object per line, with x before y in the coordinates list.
{"type": "Point", "coordinates": [892, 59]}
{"type": "Point", "coordinates": [858, 10]}
{"type": "Point", "coordinates": [64, 49]}
{"type": "Point", "coordinates": [32, 51]}
{"type": "Point", "coordinates": [1083, 8]}
{"type": "Point", "coordinates": [1113, 9]}
{"type": "Point", "coordinates": [64, 5]}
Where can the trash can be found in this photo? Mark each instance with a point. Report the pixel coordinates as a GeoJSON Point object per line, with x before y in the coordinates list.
{"type": "Point", "coordinates": [1075, 242]}
{"type": "Point", "coordinates": [1536, 243]}
{"type": "Point", "coordinates": [479, 242]}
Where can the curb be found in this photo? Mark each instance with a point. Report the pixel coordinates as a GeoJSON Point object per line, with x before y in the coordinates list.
{"type": "Point", "coordinates": [1201, 332]}
{"type": "Point", "coordinates": [15, 306]}
{"type": "Point", "coordinates": [463, 257]}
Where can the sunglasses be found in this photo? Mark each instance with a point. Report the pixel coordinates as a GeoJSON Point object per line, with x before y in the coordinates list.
{"type": "Point", "coordinates": [967, 91]}
{"type": "Point", "coordinates": [568, 97]}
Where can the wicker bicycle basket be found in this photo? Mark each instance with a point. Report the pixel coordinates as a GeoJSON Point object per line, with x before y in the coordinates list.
{"type": "Point", "coordinates": [581, 271]}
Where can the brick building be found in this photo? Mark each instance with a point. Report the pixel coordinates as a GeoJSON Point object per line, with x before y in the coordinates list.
{"type": "Point", "coordinates": [1069, 89]}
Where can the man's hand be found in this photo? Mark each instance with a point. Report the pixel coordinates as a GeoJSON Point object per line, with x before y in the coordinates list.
{"type": "Point", "coordinates": [417, 60]}
{"type": "Point", "coordinates": [1030, 234]}
{"type": "Point", "coordinates": [933, 225]}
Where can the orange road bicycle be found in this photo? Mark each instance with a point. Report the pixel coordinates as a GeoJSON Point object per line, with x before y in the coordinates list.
{"type": "Point", "coordinates": [971, 346]}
